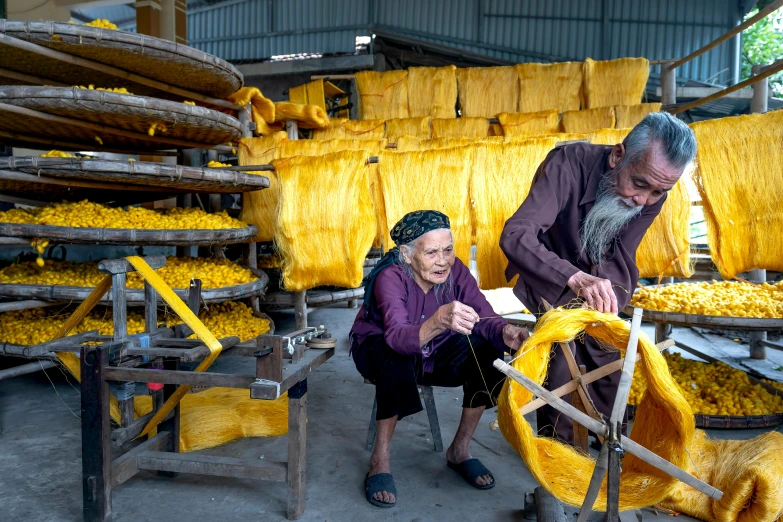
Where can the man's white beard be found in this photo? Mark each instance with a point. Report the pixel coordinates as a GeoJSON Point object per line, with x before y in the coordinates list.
{"type": "Point", "coordinates": [609, 214]}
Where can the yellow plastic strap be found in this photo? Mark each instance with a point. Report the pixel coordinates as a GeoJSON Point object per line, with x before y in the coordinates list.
{"type": "Point", "coordinates": [190, 319]}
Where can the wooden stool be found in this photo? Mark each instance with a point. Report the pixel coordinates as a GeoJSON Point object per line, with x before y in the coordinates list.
{"type": "Point", "coordinates": [432, 415]}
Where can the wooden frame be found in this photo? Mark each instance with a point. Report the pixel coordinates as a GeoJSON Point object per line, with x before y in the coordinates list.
{"type": "Point", "coordinates": [117, 360]}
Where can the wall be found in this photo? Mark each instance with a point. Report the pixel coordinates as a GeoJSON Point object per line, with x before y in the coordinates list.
{"type": "Point", "coordinates": [533, 30]}
{"type": "Point", "coordinates": [49, 10]}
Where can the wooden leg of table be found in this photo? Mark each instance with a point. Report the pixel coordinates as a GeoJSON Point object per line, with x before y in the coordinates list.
{"type": "Point", "coordinates": [96, 435]}
{"type": "Point", "coordinates": [662, 332]}
{"type": "Point", "coordinates": [126, 412]}
{"type": "Point", "coordinates": [432, 415]}
{"type": "Point", "coordinates": [297, 449]}
{"type": "Point", "coordinates": [300, 309]}
{"type": "Point", "coordinates": [373, 429]}
{"type": "Point", "coordinates": [172, 424]}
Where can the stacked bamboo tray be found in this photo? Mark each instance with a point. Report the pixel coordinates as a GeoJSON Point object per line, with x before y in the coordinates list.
{"type": "Point", "coordinates": [177, 103]}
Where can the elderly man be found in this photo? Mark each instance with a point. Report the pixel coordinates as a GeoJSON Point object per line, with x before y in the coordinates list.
{"type": "Point", "coordinates": [576, 235]}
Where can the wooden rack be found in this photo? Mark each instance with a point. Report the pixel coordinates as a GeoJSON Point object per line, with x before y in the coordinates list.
{"type": "Point", "coordinates": [121, 357]}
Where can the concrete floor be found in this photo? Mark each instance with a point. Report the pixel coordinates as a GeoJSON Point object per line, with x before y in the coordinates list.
{"type": "Point", "coordinates": [40, 468]}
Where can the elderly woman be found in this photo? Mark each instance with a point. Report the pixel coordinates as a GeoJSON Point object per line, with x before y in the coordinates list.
{"type": "Point", "coordinates": [424, 321]}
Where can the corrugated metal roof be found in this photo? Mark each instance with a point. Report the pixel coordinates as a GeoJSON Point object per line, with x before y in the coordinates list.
{"type": "Point", "coordinates": [533, 30]}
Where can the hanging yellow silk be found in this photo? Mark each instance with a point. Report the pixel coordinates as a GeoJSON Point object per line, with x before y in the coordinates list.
{"type": "Point", "coordinates": [429, 180]}
{"type": "Point", "coordinates": [432, 91]}
{"type": "Point", "coordinates": [501, 180]}
{"type": "Point", "coordinates": [326, 220]}
{"type": "Point", "coordinates": [408, 143]}
{"type": "Point", "coordinates": [260, 207]}
{"type": "Point", "coordinates": [615, 82]}
{"type": "Point", "coordinates": [306, 116]}
{"type": "Point", "coordinates": [418, 127]}
{"type": "Point", "coordinates": [588, 120]}
{"type": "Point", "coordinates": [383, 95]}
{"type": "Point", "coordinates": [460, 128]}
{"type": "Point", "coordinates": [343, 128]}
{"type": "Point", "coordinates": [608, 136]}
{"type": "Point", "coordinates": [529, 123]}
{"type": "Point", "coordinates": [740, 165]}
{"type": "Point", "coordinates": [544, 86]}
{"type": "Point", "coordinates": [629, 116]}
{"type": "Point", "coordinates": [486, 91]}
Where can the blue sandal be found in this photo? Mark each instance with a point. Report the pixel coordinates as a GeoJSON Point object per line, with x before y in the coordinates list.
{"type": "Point", "coordinates": [471, 470]}
{"type": "Point", "coordinates": [378, 483]}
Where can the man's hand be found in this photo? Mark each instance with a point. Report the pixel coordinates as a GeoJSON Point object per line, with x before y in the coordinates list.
{"type": "Point", "coordinates": [458, 317]}
{"type": "Point", "coordinates": [514, 336]}
{"type": "Point", "coordinates": [596, 292]}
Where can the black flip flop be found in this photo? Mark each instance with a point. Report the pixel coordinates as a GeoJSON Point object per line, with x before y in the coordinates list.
{"type": "Point", "coordinates": [470, 470]}
{"type": "Point", "coordinates": [378, 483]}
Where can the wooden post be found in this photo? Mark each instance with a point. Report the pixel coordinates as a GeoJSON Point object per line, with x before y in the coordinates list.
{"type": "Point", "coordinates": [270, 366]}
{"type": "Point", "coordinates": [300, 309]}
{"type": "Point", "coordinates": [172, 423]}
{"type": "Point", "coordinates": [757, 349]}
{"type": "Point", "coordinates": [96, 435]}
{"type": "Point", "coordinates": [120, 318]}
{"type": "Point", "coordinates": [119, 310]}
{"type": "Point", "coordinates": [297, 449]}
{"type": "Point", "coordinates": [668, 84]}
{"type": "Point", "coordinates": [758, 104]}
{"type": "Point", "coordinates": [150, 308]}
{"type": "Point", "coordinates": [614, 454]}
{"type": "Point", "coordinates": [186, 201]}
{"type": "Point", "coordinates": [599, 472]}
{"type": "Point", "coordinates": [148, 17]}
{"type": "Point", "coordinates": [760, 99]}
{"type": "Point", "coordinates": [251, 261]}
{"type": "Point", "coordinates": [581, 435]}
{"type": "Point", "coordinates": [548, 507]}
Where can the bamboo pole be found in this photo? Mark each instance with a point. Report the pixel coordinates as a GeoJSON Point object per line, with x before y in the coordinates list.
{"type": "Point", "coordinates": [766, 72]}
{"type": "Point", "coordinates": [730, 34]}
{"type": "Point", "coordinates": [114, 71]}
{"type": "Point", "coordinates": [28, 78]}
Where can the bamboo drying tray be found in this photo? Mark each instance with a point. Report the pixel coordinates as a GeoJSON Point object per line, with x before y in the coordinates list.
{"type": "Point", "coordinates": [314, 298]}
{"type": "Point", "coordinates": [124, 236]}
{"type": "Point", "coordinates": [121, 121]}
{"type": "Point", "coordinates": [45, 189]}
{"type": "Point", "coordinates": [135, 297]}
{"type": "Point", "coordinates": [154, 58]}
{"type": "Point", "coordinates": [141, 173]}
{"type": "Point", "coordinates": [713, 322]}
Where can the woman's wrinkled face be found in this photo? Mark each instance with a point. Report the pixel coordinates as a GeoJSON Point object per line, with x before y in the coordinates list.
{"type": "Point", "coordinates": [432, 258]}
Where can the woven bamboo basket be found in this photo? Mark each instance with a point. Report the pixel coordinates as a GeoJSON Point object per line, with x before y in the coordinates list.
{"type": "Point", "coordinates": [120, 121]}
{"type": "Point", "coordinates": [154, 58]}
{"type": "Point", "coordinates": [134, 297]}
{"type": "Point", "coordinates": [181, 178]}
{"type": "Point", "coordinates": [124, 236]}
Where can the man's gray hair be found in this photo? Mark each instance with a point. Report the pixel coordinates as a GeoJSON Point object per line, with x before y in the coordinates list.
{"type": "Point", "coordinates": [675, 138]}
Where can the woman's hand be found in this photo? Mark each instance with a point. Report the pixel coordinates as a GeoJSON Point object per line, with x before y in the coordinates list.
{"type": "Point", "coordinates": [457, 317]}
{"type": "Point", "coordinates": [514, 336]}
